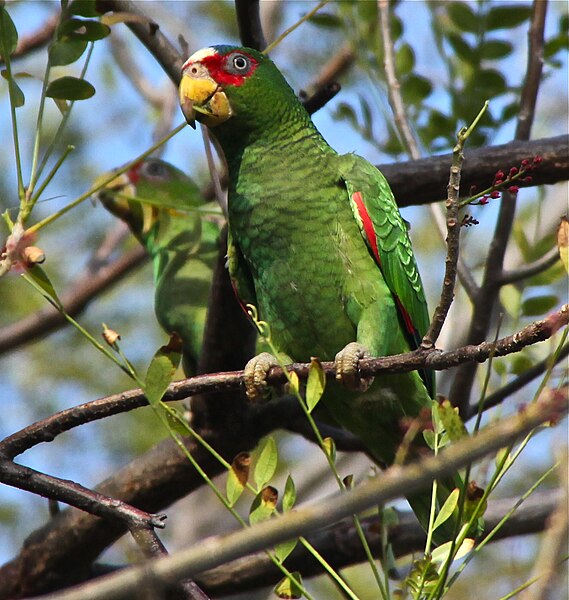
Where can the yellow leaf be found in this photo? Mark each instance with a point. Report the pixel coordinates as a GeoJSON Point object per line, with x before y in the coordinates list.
{"type": "Point", "coordinates": [563, 242]}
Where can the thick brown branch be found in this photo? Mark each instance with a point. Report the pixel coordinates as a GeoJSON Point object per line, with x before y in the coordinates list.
{"type": "Point", "coordinates": [424, 181]}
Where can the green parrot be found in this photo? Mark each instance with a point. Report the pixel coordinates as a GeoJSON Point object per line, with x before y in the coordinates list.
{"type": "Point", "coordinates": [161, 205]}
{"type": "Point", "coordinates": [317, 244]}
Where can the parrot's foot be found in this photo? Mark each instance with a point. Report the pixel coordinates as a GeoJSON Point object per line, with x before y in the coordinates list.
{"type": "Point", "coordinates": [347, 361]}
{"type": "Point", "coordinates": [255, 375]}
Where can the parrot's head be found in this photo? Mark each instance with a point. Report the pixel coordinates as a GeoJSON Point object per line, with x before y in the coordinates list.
{"type": "Point", "coordinates": [237, 85]}
{"type": "Point", "coordinates": [148, 188]}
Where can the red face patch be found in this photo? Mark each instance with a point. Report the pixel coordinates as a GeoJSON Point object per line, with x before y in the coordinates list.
{"type": "Point", "coordinates": [133, 173]}
{"type": "Point", "coordinates": [232, 68]}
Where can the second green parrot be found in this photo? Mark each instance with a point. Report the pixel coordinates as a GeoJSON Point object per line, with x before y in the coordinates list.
{"type": "Point", "coordinates": [164, 209]}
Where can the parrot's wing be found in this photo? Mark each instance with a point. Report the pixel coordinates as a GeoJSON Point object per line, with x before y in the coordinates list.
{"type": "Point", "coordinates": [385, 234]}
{"type": "Point", "coordinates": [240, 276]}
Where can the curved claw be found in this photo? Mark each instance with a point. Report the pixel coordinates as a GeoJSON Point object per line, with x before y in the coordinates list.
{"type": "Point", "coordinates": [347, 361]}
{"type": "Point", "coordinates": [255, 375]}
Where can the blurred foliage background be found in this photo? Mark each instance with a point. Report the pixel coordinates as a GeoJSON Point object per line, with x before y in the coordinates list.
{"type": "Point", "coordinates": [450, 57]}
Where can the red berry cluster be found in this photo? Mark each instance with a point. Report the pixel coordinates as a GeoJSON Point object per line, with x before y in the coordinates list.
{"type": "Point", "coordinates": [504, 182]}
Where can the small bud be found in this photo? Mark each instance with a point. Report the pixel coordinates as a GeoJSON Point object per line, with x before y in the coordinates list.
{"type": "Point", "coordinates": [484, 200]}
{"type": "Point", "coordinates": [525, 164]}
{"type": "Point", "coordinates": [495, 194]}
{"type": "Point", "coordinates": [110, 336]}
{"type": "Point", "coordinates": [513, 189]}
{"type": "Point", "coordinates": [498, 181]}
{"type": "Point", "coordinates": [33, 255]}
{"type": "Point", "coordinates": [513, 171]}
{"type": "Point", "coordinates": [499, 175]}
{"type": "Point", "coordinates": [527, 179]}
{"type": "Point", "coordinates": [537, 159]}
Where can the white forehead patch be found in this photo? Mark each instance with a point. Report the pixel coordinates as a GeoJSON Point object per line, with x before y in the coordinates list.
{"type": "Point", "coordinates": [200, 55]}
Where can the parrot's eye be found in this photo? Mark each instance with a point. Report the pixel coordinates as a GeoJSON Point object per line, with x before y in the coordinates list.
{"type": "Point", "coordinates": [239, 63]}
{"type": "Point", "coordinates": [154, 169]}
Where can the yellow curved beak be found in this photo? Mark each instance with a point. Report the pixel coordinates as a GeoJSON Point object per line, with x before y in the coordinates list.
{"type": "Point", "coordinates": [202, 95]}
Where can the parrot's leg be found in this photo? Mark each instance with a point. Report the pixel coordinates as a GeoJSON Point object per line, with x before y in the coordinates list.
{"type": "Point", "coordinates": [255, 375]}
{"type": "Point", "coordinates": [347, 361]}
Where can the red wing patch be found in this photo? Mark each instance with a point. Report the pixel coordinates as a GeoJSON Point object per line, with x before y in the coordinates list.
{"type": "Point", "coordinates": [367, 225]}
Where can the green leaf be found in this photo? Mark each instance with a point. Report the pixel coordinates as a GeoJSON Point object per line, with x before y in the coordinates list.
{"type": "Point", "coordinates": [287, 590]}
{"type": "Point", "coordinates": [266, 464]}
{"type": "Point", "coordinates": [264, 505]}
{"type": "Point", "coordinates": [315, 384]}
{"type": "Point", "coordinates": [452, 423]}
{"type": "Point", "coordinates": [440, 555]}
{"type": "Point", "coordinates": [507, 16]}
{"type": "Point", "coordinates": [328, 20]}
{"type": "Point", "coordinates": [283, 549]}
{"type": "Point", "coordinates": [175, 420]}
{"type": "Point", "coordinates": [161, 370]}
{"type": "Point", "coordinates": [521, 363]}
{"type": "Point", "coordinates": [405, 59]}
{"type": "Point", "coordinates": [17, 95]}
{"type": "Point", "coordinates": [330, 448]}
{"type": "Point", "coordinates": [294, 383]}
{"type": "Point", "coordinates": [237, 477]}
{"type": "Point", "coordinates": [539, 305]}
{"type": "Point", "coordinates": [429, 437]}
{"type": "Point", "coordinates": [491, 81]}
{"type": "Point", "coordinates": [511, 300]}
{"type": "Point", "coordinates": [70, 88]}
{"type": "Point", "coordinates": [415, 89]}
{"type": "Point", "coordinates": [84, 8]}
{"type": "Point", "coordinates": [461, 47]}
{"type": "Point", "coordinates": [8, 32]}
{"type": "Point", "coordinates": [289, 496]}
{"type": "Point", "coordinates": [494, 49]}
{"type": "Point", "coordinates": [447, 509]}
{"type": "Point", "coordinates": [82, 30]}
{"type": "Point", "coordinates": [463, 16]}
{"type": "Point", "coordinates": [43, 283]}
{"type": "Point", "coordinates": [66, 52]}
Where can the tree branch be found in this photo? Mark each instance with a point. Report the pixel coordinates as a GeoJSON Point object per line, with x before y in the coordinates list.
{"type": "Point", "coordinates": [249, 24]}
{"type": "Point", "coordinates": [412, 478]}
{"type": "Point", "coordinates": [517, 384]}
{"type": "Point", "coordinates": [342, 547]}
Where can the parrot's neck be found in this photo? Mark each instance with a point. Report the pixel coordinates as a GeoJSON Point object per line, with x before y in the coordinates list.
{"type": "Point", "coordinates": [283, 142]}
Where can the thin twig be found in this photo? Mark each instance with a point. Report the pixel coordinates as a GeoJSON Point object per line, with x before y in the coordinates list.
{"type": "Point", "coordinates": [485, 300]}
{"type": "Point", "coordinates": [516, 384]}
{"type": "Point", "coordinates": [538, 266]}
{"type": "Point", "coordinates": [393, 86]}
